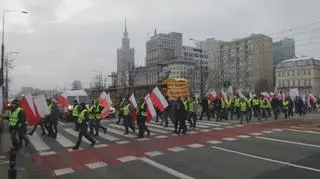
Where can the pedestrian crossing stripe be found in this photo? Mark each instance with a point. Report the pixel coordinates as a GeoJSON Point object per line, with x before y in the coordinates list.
{"type": "Point", "coordinates": [75, 134]}
{"type": "Point", "coordinates": [64, 141]}
{"type": "Point", "coordinates": [37, 143]}
{"type": "Point", "coordinates": [122, 127]}
{"type": "Point", "coordinates": [160, 127]}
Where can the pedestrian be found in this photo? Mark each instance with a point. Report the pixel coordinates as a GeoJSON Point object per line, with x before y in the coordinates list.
{"type": "Point", "coordinates": [275, 104]}
{"type": "Point", "coordinates": [180, 116]}
{"type": "Point", "coordinates": [193, 111]}
{"type": "Point", "coordinates": [92, 116]}
{"type": "Point", "coordinates": [229, 108]}
{"type": "Point", "coordinates": [237, 106]}
{"type": "Point", "coordinates": [120, 109]}
{"type": "Point", "coordinates": [167, 113]}
{"type": "Point", "coordinates": [141, 119]}
{"type": "Point", "coordinates": [75, 114]}
{"type": "Point", "coordinates": [127, 109]}
{"type": "Point", "coordinates": [290, 107]}
{"type": "Point", "coordinates": [285, 107]}
{"type": "Point", "coordinates": [249, 101]}
{"type": "Point", "coordinates": [43, 123]}
{"type": "Point", "coordinates": [83, 126]}
{"type": "Point", "coordinates": [98, 117]}
{"type": "Point", "coordinates": [256, 107]}
{"type": "Point", "coordinates": [17, 120]}
{"type": "Point", "coordinates": [205, 108]}
{"type": "Point", "coordinates": [53, 119]}
{"type": "Point", "coordinates": [243, 110]}
{"type": "Point", "coordinates": [186, 103]}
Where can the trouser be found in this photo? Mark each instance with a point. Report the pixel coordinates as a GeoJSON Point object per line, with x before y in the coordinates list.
{"type": "Point", "coordinates": [229, 111]}
{"type": "Point", "coordinates": [220, 114]}
{"type": "Point", "coordinates": [165, 118]}
{"type": "Point", "coordinates": [290, 112]}
{"type": "Point", "coordinates": [128, 123]}
{"type": "Point", "coordinates": [142, 126]}
{"type": "Point", "coordinates": [119, 117]}
{"type": "Point", "coordinates": [188, 119]}
{"type": "Point", "coordinates": [275, 113]}
{"type": "Point", "coordinates": [53, 128]}
{"type": "Point", "coordinates": [256, 111]}
{"type": "Point", "coordinates": [269, 112]}
{"type": "Point", "coordinates": [244, 114]}
{"type": "Point", "coordinates": [213, 112]}
{"type": "Point", "coordinates": [193, 117]}
{"type": "Point", "coordinates": [204, 111]}
{"type": "Point", "coordinates": [83, 131]}
{"type": "Point", "coordinates": [99, 126]}
{"type": "Point", "coordinates": [43, 124]}
{"type": "Point", "coordinates": [22, 135]}
{"type": "Point", "coordinates": [77, 125]}
{"type": "Point", "coordinates": [264, 113]}
{"type": "Point", "coordinates": [182, 125]}
{"type": "Point", "coordinates": [285, 111]}
{"type": "Point", "coordinates": [249, 113]}
{"type": "Point", "coordinates": [13, 136]}
{"type": "Point", "coordinates": [91, 125]}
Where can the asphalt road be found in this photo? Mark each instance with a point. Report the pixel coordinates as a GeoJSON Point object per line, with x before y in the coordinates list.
{"type": "Point", "coordinates": [259, 150]}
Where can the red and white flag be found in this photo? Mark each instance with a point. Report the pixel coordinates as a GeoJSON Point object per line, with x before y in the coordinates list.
{"type": "Point", "coordinates": [158, 99]}
{"type": "Point", "coordinates": [133, 102]}
{"type": "Point", "coordinates": [63, 101]}
{"type": "Point", "coordinates": [212, 95]}
{"type": "Point", "coordinates": [109, 99]}
{"type": "Point", "coordinates": [105, 104]}
{"type": "Point", "coordinates": [312, 98]}
{"type": "Point", "coordinates": [151, 112]}
{"type": "Point", "coordinates": [27, 104]}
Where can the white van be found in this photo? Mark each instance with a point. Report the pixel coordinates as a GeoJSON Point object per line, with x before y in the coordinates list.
{"type": "Point", "coordinates": [80, 95]}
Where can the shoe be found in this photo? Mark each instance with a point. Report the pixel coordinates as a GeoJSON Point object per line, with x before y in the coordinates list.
{"type": "Point", "coordinates": [105, 130]}
{"type": "Point", "coordinates": [75, 148]}
{"type": "Point", "coordinates": [92, 143]}
{"type": "Point", "coordinates": [30, 133]}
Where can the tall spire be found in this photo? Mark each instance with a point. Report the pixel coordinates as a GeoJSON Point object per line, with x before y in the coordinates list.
{"type": "Point", "coordinates": [125, 27]}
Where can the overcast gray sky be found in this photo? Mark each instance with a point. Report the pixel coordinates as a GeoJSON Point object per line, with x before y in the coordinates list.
{"type": "Point", "coordinates": [63, 40]}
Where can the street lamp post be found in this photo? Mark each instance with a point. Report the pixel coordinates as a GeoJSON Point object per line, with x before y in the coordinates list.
{"type": "Point", "coordinates": [5, 88]}
{"type": "Point", "coordinates": [2, 44]}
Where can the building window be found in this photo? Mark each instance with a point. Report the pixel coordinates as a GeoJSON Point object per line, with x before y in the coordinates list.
{"type": "Point", "coordinates": [305, 82]}
{"type": "Point", "coordinates": [304, 71]}
{"type": "Point", "coordinates": [288, 73]}
{"type": "Point", "coordinates": [293, 82]}
{"type": "Point", "coordinates": [298, 83]}
{"type": "Point", "coordinates": [309, 71]}
{"type": "Point", "coordinates": [293, 73]}
{"type": "Point", "coordinates": [298, 72]}
{"type": "Point", "coordinates": [309, 82]}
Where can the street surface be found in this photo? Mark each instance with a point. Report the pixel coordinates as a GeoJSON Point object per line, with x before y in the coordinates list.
{"type": "Point", "coordinates": [220, 150]}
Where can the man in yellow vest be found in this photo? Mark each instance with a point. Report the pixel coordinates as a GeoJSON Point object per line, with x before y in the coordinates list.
{"type": "Point", "coordinates": [141, 118]}
{"type": "Point", "coordinates": [75, 114]}
{"type": "Point", "coordinates": [249, 101]}
{"type": "Point", "coordinates": [256, 106]}
{"type": "Point", "coordinates": [193, 111]}
{"type": "Point", "coordinates": [53, 118]}
{"type": "Point", "coordinates": [243, 110]}
{"type": "Point", "coordinates": [229, 108]}
{"type": "Point", "coordinates": [98, 118]}
{"type": "Point", "coordinates": [285, 107]}
{"type": "Point", "coordinates": [186, 103]}
{"type": "Point", "coordinates": [237, 106]}
{"type": "Point", "coordinates": [83, 126]}
{"type": "Point", "coordinates": [17, 125]}
{"type": "Point", "coordinates": [92, 116]}
{"type": "Point", "coordinates": [127, 109]}
{"type": "Point", "coordinates": [43, 122]}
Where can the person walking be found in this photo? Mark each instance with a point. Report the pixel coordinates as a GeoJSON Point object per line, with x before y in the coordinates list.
{"type": "Point", "coordinates": [83, 126]}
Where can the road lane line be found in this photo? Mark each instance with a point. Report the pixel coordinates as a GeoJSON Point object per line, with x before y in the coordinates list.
{"type": "Point", "coordinates": [108, 137]}
{"type": "Point", "coordinates": [121, 127]}
{"type": "Point", "coordinates": [160, 136]}
{"type": "Point", "coordinates": [100, 145]}
{"type": "Point", "coordinates": [96, 165]}
{"type": "Point", "coordinates": [123, 142]}
{"type": "Point", "coordinates": [243, 136]}
{"type": "Point", "coordinates": [38, 143]}
{"type": "Point", "coordinates": [64, 141]}
{"type": "Point", "coordinates": [160, 126]}
{"type": "Point", "coordinates": [195, 145]}
{"type": "Point", "coordinates": [176, 149]}
{"type": "Point", "coordinates": [47, 153]}
{"type": "Point", "coordinates": [165, 168]}
{"type": "Point", "coordinates": [120, 133]}
{"type": "Point", "coordinates": [266, 159]}
{"type": "Point", "coordinates": [127, 158]}
{"type": "Point", "coordinates": [158, 130]}
{"type": "Point", "coordinates": [309, 132]}
{"type": "Point", "coordinates": [277, 130]}
{"type": "Point", "coordinates": [218, 123]}
{"type": "Point", "coordinates": [204, 130]}
{"type": "Point", "coordinates": [208, 124]}
{"type": "Point", "coordinates": [255, 134]}
{"type": "Point", "coordinates": [63, 171]}
{"type": "Point", "coordinates": [214, 142]}
{"type": "Point", "coordinates": [153, 153]}
{"type": "Point", "coordinates": [268, 132]}
{"type": "Point", "coordinates": [289, 142]}
{"type": "Point", "coordinates": [75, 134]}
{"type": "Point", "coordinates": [230, 139]}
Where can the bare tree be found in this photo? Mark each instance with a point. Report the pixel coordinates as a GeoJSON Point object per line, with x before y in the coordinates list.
{"type": "Point", "coordinates": [76, 85]}
{"type": "Point", "coordinates": [99, 82]}
{"type": "Point", "coordinates": [8, 65]}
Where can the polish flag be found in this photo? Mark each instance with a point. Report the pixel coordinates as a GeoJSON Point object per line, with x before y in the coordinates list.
{"type": "Point", "coordinates": [158, 99]}
{"type": "Point", "coordinates": [230, 90]}
{"type": "Point", "coordinates": [27, 104]}
{"type": "Point", "coordinates": [223, 96]}
{"type": "Point", "coordinates": [63, 101]}
{"type": "Point", "coordinates": [312, 97]}
{"type": "Point", "coordinates": [151, 112]}
{"type": "Point", "coordinates": [105, 104]}
{"type": "Point", "coordinates": [133, 102]}
{"type": "Point", "coordinates": [109, 99]}
{"type": "Point", "coordinates": [212, 95]}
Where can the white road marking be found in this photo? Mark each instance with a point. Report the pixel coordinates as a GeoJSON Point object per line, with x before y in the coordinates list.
{"type": "Point", "coordinates": [277, 130]}
{"type": "Point", "coordinates": [192, 132]}
{"type": "Point", "coordinates": [114, 131]}
{"type": "Point", "coordinates": [165, 168]}
{"type": "Point", "coordinates": [108, 137]}
{"type": "Point", "coordinates": [229, 127]}
{"type": "Point", "coordinates": [96, 165]}
{"type": "Point", "coordinates": [100, 145]}
{"type": "Point", "coordinates": [38, 143]}
{"type": "Point", "coordinates": [267, 132]}
{"type": "Point", "coordinates": [63, 171]}
{"type": "Point", "coordinates": [208, 124]}
{"type": "Point", "coordinates": [214, 142]}
{"type": "Point", "coordinates": [266, 159]}
{"type": "Point", "coordinates": [205, 130]}
{"type": "Point", "coordinates": [176, 149]}
{"type": "Point", "coordinates": [160, 127]}
{"type": "Point", "coordinates": [239, 125]}
{"type": "Point", "coordinates": [71, 150]}
{"type": "Point", "coordinates": [158, 130]}
{"type": "Point", "coordinates": [289, 142]}
{"type": "Point", "coordinates": [123, 142]}
{"type": "Point", "coordinates": [160, 136]}
{"type": "Point", "coordinates": [75, 134]}
{"type": "Point", "coordinates": [218, 128]}
{"type": "Point", "coordinates": [143, 139]}
{"type": "Point", "coordinates": [255, 134]}
{"type": "Point", "coordinates": [218, 123]}
{"type": "Point", "coordinates": [64, 141]}
{"type": "Point", "coordinates": [202, 126]}
{"type": "Point", "coordinates": [2, 157]}
{"type": "Point", "coordinates": [303, 131]}
{"type": "Point", "coordinates": [127, 158]}
{"type": "Point", "coordinates": [195, 145]}
{"type": "Point", "coordinates": [244, 136]}
{"type": "Point", "coordinates": [47, 153]}
{"type": "Point", "coordinates": [62, 123]}
{"type": "Point", "coordinates": [230, 139]}
{"type": "Point", "coordinates": [154, 153]}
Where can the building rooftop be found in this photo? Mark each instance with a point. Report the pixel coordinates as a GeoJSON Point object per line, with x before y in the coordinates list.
{"type": "Point", "coordinates": [302, 61]}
